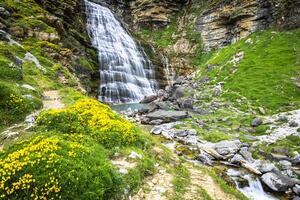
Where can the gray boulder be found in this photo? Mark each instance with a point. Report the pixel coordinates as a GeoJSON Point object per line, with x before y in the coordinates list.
{"type": "Point", "coordinates": [256, 122]}
{"type": "Point", "coordinates": [264, 166]}
{"type": "Point", "coordinates": [167, 116]}
{"type": "Point", "coordinates": [227, 147]}
{"type": "Point", "coordinates": [277, 181]}
{"type": "Point", "coordinates": [296, 189]}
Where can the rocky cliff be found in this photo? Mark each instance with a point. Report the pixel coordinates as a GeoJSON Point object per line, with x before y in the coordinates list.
{"type": "Point", "coordinates": [62, 33]}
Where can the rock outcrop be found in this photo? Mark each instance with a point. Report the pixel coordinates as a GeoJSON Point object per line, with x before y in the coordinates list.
{"type": "Point", "coordinates": [229, 22]}
{"type": "Point", "coordinates": [155, 12]}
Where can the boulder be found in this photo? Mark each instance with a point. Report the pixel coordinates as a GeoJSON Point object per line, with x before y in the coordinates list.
{"type": "Point", "coordinates": [293, 124]}
{"type": "Point", "coordinates": [149, 99]}
{"type": "Point", "coordinates": [227, 147]}
{"type": "Point", "coordinates": [156, 130]}
{"type": "Point", "coordinates": [264, 166]}
{"type": "Point", "coordinates": [296, 189]}
{"type": "Point", "coordinates": [167, 116]}
{"type": "Point", "coordinates": [256, 122]}
{"type": "Point", "coordinates": [277, 181]}
{"type": "Point", "coordinates": [185, 104]}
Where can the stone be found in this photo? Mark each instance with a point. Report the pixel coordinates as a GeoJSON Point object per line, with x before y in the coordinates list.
{"type": "Point", "coordinates": [205, 159]}
{"type": "Point", "coordinates": [29, 87]}
{"type": "Point", "coordinates": [256, 122]}
{"type": "Point", "coordinates": [135, 155]}
{"type": "Point", "coordinates": [285, 165]}
{"type": "Point", "coordinates": [227, 147]}
{"type": "Point", "coordinates": [293, 124]}
{"type": "Point", "coordinates": [149, 99]}
{"type": "Point", "coordinates": [4, 12]}
{"type": "Point", "coordinates": [186, 104]}
{"type": "Point", "coordinates": [156, 130]}
{"type": "Point", "coordinates": [246, 154]}
{"type": "Point", "coordinates": [296, 160]}
{"type": "Point", "coordinates": [262, 110]}
{"type": "Point", "coordinates": [179, 92]}
{"type": "Point", "coordinates": [282, 151]}
{"type": "Point", "coordinates": [277, 181]}
{"type": "Point", "coordinates": [264, 166]}
{"type": "Point", "coordinates": [167, 116]}
{"type": "Point", "coordinates": [296, 189]}
{"type": "Point", "coordinates": [237, 159]}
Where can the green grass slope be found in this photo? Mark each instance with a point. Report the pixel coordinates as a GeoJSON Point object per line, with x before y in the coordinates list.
{"type": "Point", "coordinates": [267, 74]}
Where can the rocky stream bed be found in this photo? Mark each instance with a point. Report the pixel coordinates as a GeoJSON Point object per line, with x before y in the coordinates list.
{"type": "Point", "coordinates": [271, 176]}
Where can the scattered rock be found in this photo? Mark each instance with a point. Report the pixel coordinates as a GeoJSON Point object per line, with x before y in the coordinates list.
{"type": "Point", "coordinates": [264, 166]}
{"type": "Point", "coordinates": [156, 130]}
{"type": "Point", "coordinates": [149, 99]}
{"type": "Point", "coordinates": [226, 147]}
{"type": "Point", "coordinates": [256, 122]}
{"type": "Point", "coordinates": [135, 155]}
{"type": "Point", "coordinates": [167, 116]}
{"type": "Point", "coordinates": [277, 181]}
{"type": "Point", "coordinates": [293, 124]}
{"type": "Point", "coordinates": [296, 189]}
{"type": "Point", "coordinates": [262, 110]}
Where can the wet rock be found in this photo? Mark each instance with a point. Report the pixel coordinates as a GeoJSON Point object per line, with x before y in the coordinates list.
{"type": "Point", "coordinates": [296, 189]}
{"type": "Point", "coordinates": [149, 99]}
{"type": "Point", "coordinates": [264, 166]}
{"type": "Point", "coordinates": [293, 124]}
{"type": "Point", "coordinates": [277, 181]}
{"type": "Point", "coordinates": [237, 159]}
{"type": "Point", "coordinates": [246, 154]}
{"type": "Point", "coordinates": [256, 122]}
{"type": "Point", "coordinates": [167, 116]}
{"type": "Point", "coordinates": [227, 147]}
{"type": "Point", "coordinates": [296, 160]}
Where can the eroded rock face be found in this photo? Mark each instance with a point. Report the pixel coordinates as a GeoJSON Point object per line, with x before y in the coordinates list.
{"type": "Point", "coordinates": [228, 23]}
{"type": "Point", "coordinates": [155, 12]}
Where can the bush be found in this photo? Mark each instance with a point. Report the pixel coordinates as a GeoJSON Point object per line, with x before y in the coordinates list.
{"type": "Point", "coordinates": [58, 167]}
{"type": "Point", "coordinates": [91, 117]}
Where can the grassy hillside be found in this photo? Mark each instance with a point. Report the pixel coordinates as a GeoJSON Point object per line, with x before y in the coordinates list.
{"type": "Point", "coordinates": [60, 45]}
{"type": "Point", "coordinates": [266, 75]}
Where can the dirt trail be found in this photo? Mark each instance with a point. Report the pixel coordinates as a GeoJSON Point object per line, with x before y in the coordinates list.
{"type": "Point", "coordinates": [51, 100]}
{"type": "Point", "coordinates": [200, 179]}
{"type": "Point", "coordinates": [156, 187]}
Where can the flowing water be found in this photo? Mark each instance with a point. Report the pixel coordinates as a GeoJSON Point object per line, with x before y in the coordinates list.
{"type": "Point", "coordinates": [250, 185]}
{"type": "Point", "coordinates": [126, 75]}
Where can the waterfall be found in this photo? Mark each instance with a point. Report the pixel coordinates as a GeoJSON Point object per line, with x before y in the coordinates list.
{"type": "Point", "coordinates": [126, 75]}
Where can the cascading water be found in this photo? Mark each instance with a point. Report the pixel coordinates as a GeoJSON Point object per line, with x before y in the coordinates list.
{"type": "Point", "coordinates": [126, 75]}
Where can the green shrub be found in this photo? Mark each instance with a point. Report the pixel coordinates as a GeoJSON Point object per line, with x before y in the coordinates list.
{"type": "Point", "coordinates": [58, 167]}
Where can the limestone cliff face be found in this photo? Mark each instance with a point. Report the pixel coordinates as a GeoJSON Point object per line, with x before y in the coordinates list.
{"type": "Point", "coordinates": [229, 22]}
{"type": "Point", "coordinates": [232, 20]}
{"type": "Point", "coordinates": [155, 12]}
